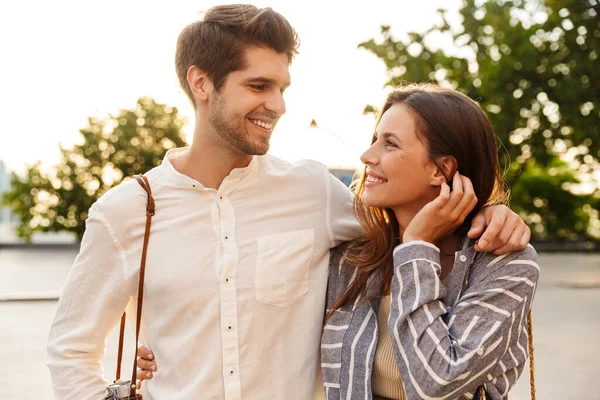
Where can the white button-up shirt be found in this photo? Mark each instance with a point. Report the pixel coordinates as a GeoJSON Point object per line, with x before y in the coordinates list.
{"type": "Point", "coordinates": [235, 282]}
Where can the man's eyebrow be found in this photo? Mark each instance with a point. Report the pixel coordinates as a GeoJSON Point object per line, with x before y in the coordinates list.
{"type": "Point", "coordinates": [259, 79]}
{"type": "Point", "coordinates": [265, 80]}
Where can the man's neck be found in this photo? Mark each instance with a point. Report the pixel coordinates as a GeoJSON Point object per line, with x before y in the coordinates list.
{"type": "Point", "coordinates": [209, 162]}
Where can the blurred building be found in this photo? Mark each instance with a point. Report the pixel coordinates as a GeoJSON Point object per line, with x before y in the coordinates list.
{"type": "Point", "coordinates": [344, 175]}
{"type": "Point", "coordinates": [5, 215]}
{"type": "Point", "coordinates": [7, 219]}
{"type": "Point", "coordinates": [316, 143]}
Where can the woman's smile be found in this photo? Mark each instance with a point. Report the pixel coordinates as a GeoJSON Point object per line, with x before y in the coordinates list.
{"type": "Point", "coordinates": [374, 180]}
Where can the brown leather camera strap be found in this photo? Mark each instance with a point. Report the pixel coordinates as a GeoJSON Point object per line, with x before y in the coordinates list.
{"type": "Point", "coordinates": [143, 181]}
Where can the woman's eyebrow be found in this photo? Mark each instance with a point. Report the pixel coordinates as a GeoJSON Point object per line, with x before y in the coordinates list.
{"type": "Point", "coordinates": [388, 135]}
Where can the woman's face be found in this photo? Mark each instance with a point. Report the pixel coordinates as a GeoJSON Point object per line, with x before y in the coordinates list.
{"type": "Point", "coordinates": [399, 170]}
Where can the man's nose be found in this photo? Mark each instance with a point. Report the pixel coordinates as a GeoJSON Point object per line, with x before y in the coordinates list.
{"type": "Point", "coordinates": [276, 104]}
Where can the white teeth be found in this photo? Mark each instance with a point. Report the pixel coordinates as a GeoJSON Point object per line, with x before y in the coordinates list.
{"type": "Point", "coordinates": [262, 124]}
{"type": "Point", "coordinates": [371, 178]}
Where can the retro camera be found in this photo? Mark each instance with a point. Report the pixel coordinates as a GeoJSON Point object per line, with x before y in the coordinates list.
{"type": "Point", "coordinates": [119, 390]}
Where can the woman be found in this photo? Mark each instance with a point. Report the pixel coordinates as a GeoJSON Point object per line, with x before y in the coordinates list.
{"type": "Point", "coordinates": [414, 301]}
{"type": "Point", "coordinates": [413, 309]}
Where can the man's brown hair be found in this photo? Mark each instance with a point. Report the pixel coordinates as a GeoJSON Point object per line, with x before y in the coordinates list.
{"type": "Point", "coordinates": [216, 44]}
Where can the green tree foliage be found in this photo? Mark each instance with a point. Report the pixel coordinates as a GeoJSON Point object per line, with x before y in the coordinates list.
{"type": "Point", "coordinates": [533, 67]}
{"type": "Point", "coordinates": [131, 142]}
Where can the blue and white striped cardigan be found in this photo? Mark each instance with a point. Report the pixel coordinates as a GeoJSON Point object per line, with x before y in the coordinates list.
{"type": "Point", "coordinates": [447, 339]}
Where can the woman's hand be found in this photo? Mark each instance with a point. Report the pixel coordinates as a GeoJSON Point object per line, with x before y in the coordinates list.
{"type": "Point", "coordinates": [444, 214]}
{"type": "Point", "coordinates": [146, 365]}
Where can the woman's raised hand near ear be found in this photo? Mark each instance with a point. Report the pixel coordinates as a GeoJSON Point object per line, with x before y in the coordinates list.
{"type": "Point", "coordinates": [444, 214]}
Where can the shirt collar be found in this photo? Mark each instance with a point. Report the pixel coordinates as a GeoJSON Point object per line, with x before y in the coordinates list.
{"type": "Point", "coordinates": [169, 171]}
{"type": "Point", "coordinates": [467, 249]}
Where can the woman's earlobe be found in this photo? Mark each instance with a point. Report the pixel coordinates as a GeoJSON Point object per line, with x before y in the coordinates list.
{"type": "Point", "coordinates": [438, 179]}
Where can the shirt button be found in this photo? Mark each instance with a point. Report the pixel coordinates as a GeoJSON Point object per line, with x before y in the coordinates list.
{"type": "Point", "coordinates": [463, 258]}
{"type": "Point", "coordinates": [226, 237]}
{"type": "Point", "coordinates": [227, 280]}
{"type": "Point", "coordinates": [231, 372]}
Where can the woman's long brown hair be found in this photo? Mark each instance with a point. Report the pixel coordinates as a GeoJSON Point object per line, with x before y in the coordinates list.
{"type": "Point", "coordinates": [449, 124]}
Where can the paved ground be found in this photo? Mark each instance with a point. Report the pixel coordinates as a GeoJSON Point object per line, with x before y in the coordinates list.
{"type": "Point", "coordinates": [566, 326]}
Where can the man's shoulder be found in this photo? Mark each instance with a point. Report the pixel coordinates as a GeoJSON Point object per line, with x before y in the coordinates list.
{"type": "Point", "coordinates": [127, 199]}
{"type": "Point", "coordinates": [273, 165]}
{"type": "Point", "coordinates": [524, 263]}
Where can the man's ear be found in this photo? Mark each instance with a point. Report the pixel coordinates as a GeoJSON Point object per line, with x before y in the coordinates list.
{"type": "Point", "coordinates": [445, 168]}
{"type": "Point", "coordinates": [200, 84]}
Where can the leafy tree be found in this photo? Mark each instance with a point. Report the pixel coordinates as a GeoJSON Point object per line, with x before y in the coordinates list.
{"type": "Point", "coordinates": [131, 142]}
{"type": "Point", "coordinates": [532, 65]}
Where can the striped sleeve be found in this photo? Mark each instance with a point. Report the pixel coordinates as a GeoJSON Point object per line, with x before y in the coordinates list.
{"type": "Point", "coordinates": [445, 351]}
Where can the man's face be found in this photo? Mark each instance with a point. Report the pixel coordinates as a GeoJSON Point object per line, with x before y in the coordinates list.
{"type": "Point", "coordinates": [249, 104]}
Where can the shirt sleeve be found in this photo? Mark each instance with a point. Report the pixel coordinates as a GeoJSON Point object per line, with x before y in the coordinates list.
{"type": "Point", "coordinates": [444, 351]}
{"type": "Point", "coordinates": [92, 301]}
{"type": "Point", "coordinates": [342, 223]}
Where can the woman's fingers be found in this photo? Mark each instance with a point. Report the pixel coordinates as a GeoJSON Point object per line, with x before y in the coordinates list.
{"type": "Point", "coordinates": [468, 201]}
{"type": "Point", "coordinates": [457, 192]}
{"type": "Point", "coordinates": [425, 225]}
{"type": "Point", "coordinates": [462, 200]}
{"type": "Point", "coordinates": [439, 202]}
{"type": "Point", "coordinates": [442, 215]}
{"type": "Point", "coordinates": [148, 366]}
{"type": "Point", "coordinates": [457, 182]}
{"type": "Point", "coordinates": [143, 352]}
{"type": "Point", "coordinates": [143, 375]}
{"type": "Point", "coordinates": [444, 193]}
{"type": "Point", "coordinates": [145, 359]}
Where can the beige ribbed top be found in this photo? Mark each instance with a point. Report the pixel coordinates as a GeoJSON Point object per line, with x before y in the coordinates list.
{"type": "Point", "coordinates": [386, 381]}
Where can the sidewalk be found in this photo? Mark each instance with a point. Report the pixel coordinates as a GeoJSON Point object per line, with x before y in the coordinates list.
{"type": "Point", "coordinates": [565, 313]}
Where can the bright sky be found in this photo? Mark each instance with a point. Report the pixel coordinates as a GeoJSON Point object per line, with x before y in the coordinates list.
{"type": "Point", "coordinates": [62, 61]}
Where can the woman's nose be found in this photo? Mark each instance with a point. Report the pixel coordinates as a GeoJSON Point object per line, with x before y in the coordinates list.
{"type": "Point", "coordinates": [369, 157]}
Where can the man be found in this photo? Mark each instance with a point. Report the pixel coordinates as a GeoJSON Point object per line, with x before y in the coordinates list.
{"type": "Point", "coordinates": [237, 261]}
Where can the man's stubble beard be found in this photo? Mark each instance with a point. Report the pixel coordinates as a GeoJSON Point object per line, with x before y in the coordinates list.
{"type": "Point", "coordinates": [226, 125]}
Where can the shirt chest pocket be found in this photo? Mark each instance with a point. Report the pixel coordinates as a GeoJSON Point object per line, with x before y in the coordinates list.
{"type": "Point", "coordinates": [282, 266]}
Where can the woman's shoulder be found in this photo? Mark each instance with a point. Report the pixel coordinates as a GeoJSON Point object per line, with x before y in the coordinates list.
{"type": "Point", "coordinates": [527, 254]}
{"type": "Point", "coordinates": [522, 263]}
